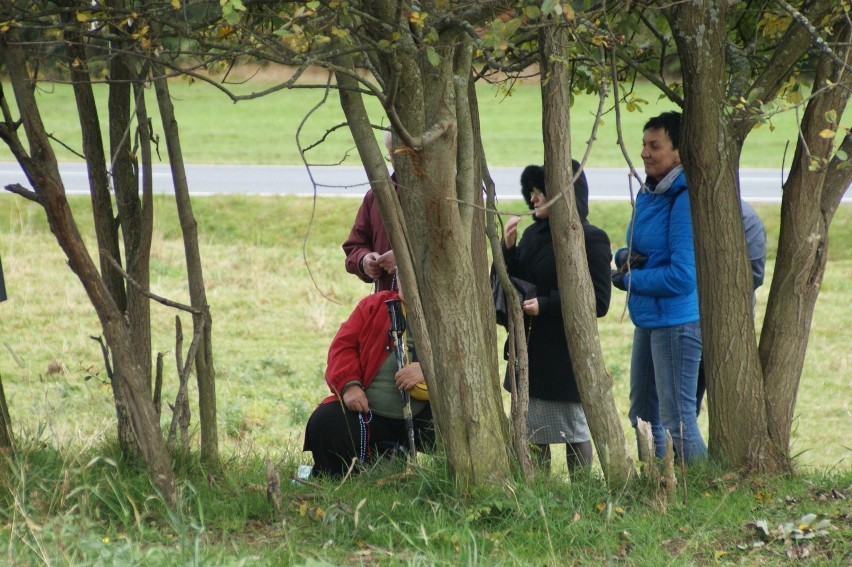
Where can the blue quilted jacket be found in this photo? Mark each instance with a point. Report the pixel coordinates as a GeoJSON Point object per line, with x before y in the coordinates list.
{"type": "Point", "coordinates": [664, 292]}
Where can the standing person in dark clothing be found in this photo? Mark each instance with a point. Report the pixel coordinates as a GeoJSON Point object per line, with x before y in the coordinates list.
{"type": "Point", "coordinates": [368, 249]}
{"type": "Point", "coordinates": [555, 412]}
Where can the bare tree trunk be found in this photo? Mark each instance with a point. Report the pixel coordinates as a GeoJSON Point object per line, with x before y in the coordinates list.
{"type": "Point", "coordinates": [203, 322]}
{"type": "Point", "coordinates": [432, 245]}
{"type": "Point", "coordinates": [135, 226]}
{"type": "Point", "coordinates": [803, 243]}
{"type": "Point", "coordinates": [43, 172]}
{"type": "Point", "coordinates": [578, 307]}
{"type": "Point", "coordinates": [711, 161]}
{"type": "Point", "coordinates": [106, 224]}
{"type": "Point", "coordinates": [135, 229]}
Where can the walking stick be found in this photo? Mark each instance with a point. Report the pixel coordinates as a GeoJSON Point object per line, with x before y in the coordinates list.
{"type": "Point", "coordinates": [396, 310]}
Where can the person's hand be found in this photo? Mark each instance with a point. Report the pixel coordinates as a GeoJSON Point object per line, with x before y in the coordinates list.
{"type": "Point", "coordinates": [635, 261]}
{"type": "Point", "coordinates": [620, 257]}
{"type": "Point", "coordinates": [618, 280]}
{"type": "Point", "coordinates": [530, 307]}
{"type": "Point", "coordinates": [355, 399]}
{"type": "Point", "coordinates": [510, 232]}
{"type": "Point", "coordinates": [409, 376]}
{"type": "Point", "coordinates": [387, 261]}
{"type": "Point", "coordinates": [370, 265]}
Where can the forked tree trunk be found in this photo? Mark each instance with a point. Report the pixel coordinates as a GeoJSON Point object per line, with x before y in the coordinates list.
{"type": "Point", "coordinates": [811, 198]}
{"type": "Point", "coordinates": [431, 237]}
{"type": "Point", "coordinates": [105, 221]}
{"type": "Point", "coordinates": [752, 401]}
{"type": "Point", "coordinates": [136, 220]}
{"type": "Point", "coordinates": [572, 270]}
{"type": "Point", "coordinates": [710, 154]}
{"type": "Point", "coordinates": [41, 169]}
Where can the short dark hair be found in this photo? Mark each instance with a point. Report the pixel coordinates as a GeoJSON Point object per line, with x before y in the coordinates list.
{"type": "Point", "coordinates": [668, 122]}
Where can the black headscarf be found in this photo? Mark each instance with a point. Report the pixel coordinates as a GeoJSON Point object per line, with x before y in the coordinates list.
{"type": "Point", "coordinates": [533, 178]}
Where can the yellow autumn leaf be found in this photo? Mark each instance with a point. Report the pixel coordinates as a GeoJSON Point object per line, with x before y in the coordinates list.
{"type": "Point", "coordinates": [176, 4]}
{"type": "Point", "coordinates": [827, 134]}
{"type": "Point", "coordinates": [82, 16]}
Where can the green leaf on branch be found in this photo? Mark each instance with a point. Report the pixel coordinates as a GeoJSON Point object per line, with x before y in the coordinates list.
{"type": "Point", "coordinates": [831, 116]}
{"type": "Point", "coordinates": [432, 56]}
{"type": "Point", "coordinates": [532, 12]}
{"type": "Point", "coordinates": [551, 7]}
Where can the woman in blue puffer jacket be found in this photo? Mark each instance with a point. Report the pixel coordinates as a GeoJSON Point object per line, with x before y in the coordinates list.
{"type": "Point", "coordinates": [663, 296]}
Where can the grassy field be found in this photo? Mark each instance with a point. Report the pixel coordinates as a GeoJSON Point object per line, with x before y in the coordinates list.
{"type": "Point", "coordinates": [277, 299]}
{"type": "Point", "coordinates": [278, 292]}
{"type": "Point", "coordinates": [70, 503]}
{"type": "Point", "coordinates": [263, 130]}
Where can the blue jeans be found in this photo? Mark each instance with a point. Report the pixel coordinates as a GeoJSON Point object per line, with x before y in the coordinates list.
{"type": "Point", "coordinates": [663, 376]}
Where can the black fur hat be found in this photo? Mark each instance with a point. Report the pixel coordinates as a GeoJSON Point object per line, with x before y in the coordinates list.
{"type": "Point", "coordinates": [533, 178]}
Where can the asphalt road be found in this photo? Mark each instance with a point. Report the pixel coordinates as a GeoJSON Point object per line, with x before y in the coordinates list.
{"type": "Point", "coordinates": [758, 185]}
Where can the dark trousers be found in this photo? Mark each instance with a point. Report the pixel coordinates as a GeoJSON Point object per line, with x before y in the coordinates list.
{"type": "Point", "coordinates": [334, 435]}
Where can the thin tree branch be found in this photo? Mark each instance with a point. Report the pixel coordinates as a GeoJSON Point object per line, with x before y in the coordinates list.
{"type": "Point", "coordinates": [148, 294]}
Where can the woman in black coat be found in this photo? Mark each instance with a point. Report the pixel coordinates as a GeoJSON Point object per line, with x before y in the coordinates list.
{"type": "Point", "coordinates": [555, 412]}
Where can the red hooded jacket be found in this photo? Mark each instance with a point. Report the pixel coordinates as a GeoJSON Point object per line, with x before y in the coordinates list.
{"type": "Point", "coordinates": [361, 345]}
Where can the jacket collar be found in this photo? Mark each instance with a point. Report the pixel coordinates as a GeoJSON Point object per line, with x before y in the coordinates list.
{"type": "Point", "coordinates": [663, 185]}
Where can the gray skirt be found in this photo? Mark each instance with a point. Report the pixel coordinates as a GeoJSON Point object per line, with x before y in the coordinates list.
{"type": "Point", "coordinates": [551, 422]}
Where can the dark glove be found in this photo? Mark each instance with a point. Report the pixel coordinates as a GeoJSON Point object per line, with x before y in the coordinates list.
{"type": "Point", "coordinates": [618, 279]}
{"type": "Point", "coordinates": [637, 260]}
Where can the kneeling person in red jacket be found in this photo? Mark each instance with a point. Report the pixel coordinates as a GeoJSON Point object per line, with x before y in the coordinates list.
{"type": "Point", "coordinates": [364, 415]}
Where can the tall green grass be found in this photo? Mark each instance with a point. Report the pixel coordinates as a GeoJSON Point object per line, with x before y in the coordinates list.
{"type": "Point", "coordinates": [263, 130]}
{"type": "Point", "coordinates": [277, 298]}
{"type": "Point", "coordinates": [93, 510]}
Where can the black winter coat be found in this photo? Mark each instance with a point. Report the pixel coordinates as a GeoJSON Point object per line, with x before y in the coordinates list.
{"type": "Point", "coordinates": [532, 259]}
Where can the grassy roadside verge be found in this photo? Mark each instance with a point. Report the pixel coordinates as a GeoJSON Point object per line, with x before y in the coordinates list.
{"type": "Point", "coordinates": [263, 131]}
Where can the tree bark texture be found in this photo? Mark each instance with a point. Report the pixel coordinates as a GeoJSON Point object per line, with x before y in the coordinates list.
{"type": "Point", "coordinates": [202, 322]}
{"type": "Point", "coordinates": [135, 227]}
{"type": "Point", "coordinates": [811, 197]}
{"type": "Point", "coordinates": [105, 222]}
{"type": "Point", "coordinates": [576, 295]}
{"type": "Point", "coordinates": [42, 170]}
{"type": "Point", "coordinates": [734, 378]}
{"type": "Point", "coordinates": [432, 238]}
